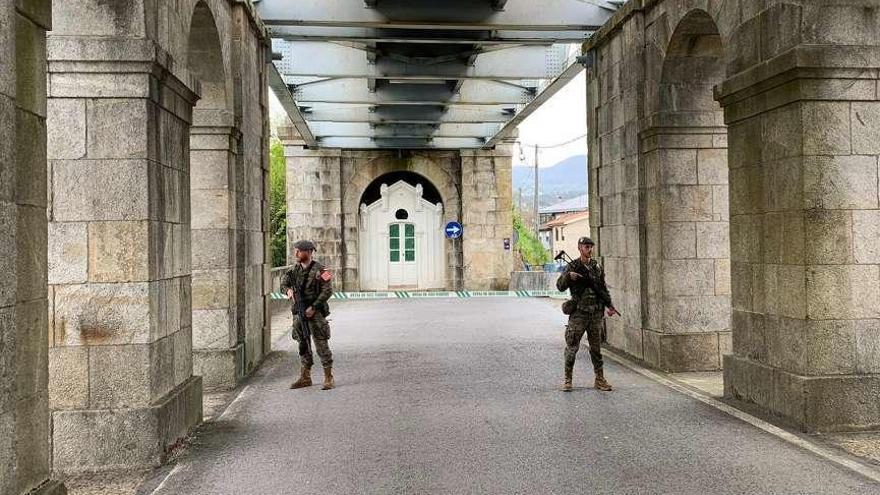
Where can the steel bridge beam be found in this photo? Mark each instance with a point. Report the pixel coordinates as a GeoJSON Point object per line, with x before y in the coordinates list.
{"type": "Point", "coordinates": [365, 129]}
{"type": "Point", "coordinates": [315, 59]}
{"type": "Point", "coordinates": [396, 143]}
{"type": "Point", "coordinates": [524, 15]}
{"type": "Point", "coordinates": [356, 91]}
{"type": "Point", "coordinates": [404, 114]}
{"type": "Point", "coordinates": [279, 87]}
{"type": "Point", "coordinates": [374, 35]}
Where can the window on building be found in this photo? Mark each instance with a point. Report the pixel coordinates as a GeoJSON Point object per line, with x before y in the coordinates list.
{"type": "Point", "coordinates": [562, 230]}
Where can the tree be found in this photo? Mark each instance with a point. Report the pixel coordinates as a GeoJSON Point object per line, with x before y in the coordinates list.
{"type": "Point", "coordinates": [278, 203]}
{"type": "Point", "coordinates": [527, 242]}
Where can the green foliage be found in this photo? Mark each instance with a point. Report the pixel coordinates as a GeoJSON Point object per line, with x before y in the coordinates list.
{"type": "Point", "coordinates": [528, 244]}
{"type": "Point", "coordinates": [278, 203]}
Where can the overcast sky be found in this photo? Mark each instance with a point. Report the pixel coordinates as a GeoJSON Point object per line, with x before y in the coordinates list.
{"type": "Point", "coordinates": [560, 119]}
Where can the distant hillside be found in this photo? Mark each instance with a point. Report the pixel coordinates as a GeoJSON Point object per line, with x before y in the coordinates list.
{"type": "Point", "coordinates": [567, 179]}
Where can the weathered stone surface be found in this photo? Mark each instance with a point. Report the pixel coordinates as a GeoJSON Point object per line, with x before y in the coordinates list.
{"type": "Point", "coordinates": [119, 251]}
{"type": "Point", "coordinates": [713, 240]}
{"type": "Point", "coordinates": [866, 236]}
{"type": "Point", "coordinates": [692, 352]}
{"type": "Point", "coordinates": [676, 167]}
{"type": "Point", "coordinates": [687, 203]}
{"type": "Point", "coordinates": [8, 255]}
{"type": "Point", "coordinates": [213, 248]}
{"type": "Point", "coordinates": [118, 128]}
{"type": "Point", "coordinates": [87, 190]}
{"type": "Point", "coordinates": [210, 209]}
{"type": "Point", "coordinates": [69, 377]}
{"type": "Point", "coordinates": [826, 128]}
{"type": "Point", "coordinates": [8, 362]}
{"type": "Point", "coordinates": [840, 182]}
{"type": "Point", "coordinates": [220, 369]}
{"type": "Point", "coordinates": [693, 277]}
{"type": "Point", "coordinates": [212, 329]}
{"type": "Point", "coordinates": [696, 314]}
{"type": "Point", "coordinates": [30, 349]}
{"type": "Point", "coordinates": [119, 376]}
{"type": "Point", "coordinates": [102, 314]}
{"type": "Point", "coordinates": [30, 145]}
{"type": "Point", "coordinates": [211, 289]}
{"type": "Point", "coordinates": [712, 166]}
{"type": "Point", "coordinates": [843, 291]}
{"type": "Point", "coordinates": [679, 240]}
{"type": "Point", "coordinates": [66, 129]}
{"type": "Point", "coordinates": [30, 68]}
{"type": "Point", "coordinates": [124, 438]}
{"type": "Point", "coordinates": [68, 252]}
{"type": "Point", "coordinates": [30, 244]}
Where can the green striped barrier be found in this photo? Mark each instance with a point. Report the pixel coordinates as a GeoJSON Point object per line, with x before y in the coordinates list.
{"type": "Point", "coordinates": [439, 294]}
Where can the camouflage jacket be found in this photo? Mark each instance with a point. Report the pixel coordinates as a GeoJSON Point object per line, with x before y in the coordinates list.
{"type": "Point", "coordinates": [589, 299]}
{"type": "Point", "coordinates": [318, 287]}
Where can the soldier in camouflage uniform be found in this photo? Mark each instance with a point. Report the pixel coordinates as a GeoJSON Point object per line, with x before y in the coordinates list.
{"type": "Point", "coordinates": [587, 310]}
{"type": "Point", "coordinates": [312, 280]}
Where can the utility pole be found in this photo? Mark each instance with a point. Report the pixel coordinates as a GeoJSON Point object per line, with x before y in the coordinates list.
{"type": "Point", "coordinates": [537, 214]}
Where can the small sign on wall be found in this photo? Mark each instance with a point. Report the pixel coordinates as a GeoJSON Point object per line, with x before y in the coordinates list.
{"type": "Point", "coordinates": [507, 243]}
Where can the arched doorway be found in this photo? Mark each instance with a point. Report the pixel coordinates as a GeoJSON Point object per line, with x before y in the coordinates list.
{"type": "Point", "coordinates": [687, 216]}
{"type": "Point", "coordinates": [400, 234]}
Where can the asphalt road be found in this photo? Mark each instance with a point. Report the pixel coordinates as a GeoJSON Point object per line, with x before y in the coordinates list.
{"type": "Point", "coordinates": [461, 396]}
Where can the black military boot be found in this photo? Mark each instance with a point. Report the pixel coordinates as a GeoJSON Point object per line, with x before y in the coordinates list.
{"type": "Point", "coordinates": [305, 379]}
{"type": "Point", "coordinates": [328, 378]}
{"type": "Point", "coordinates": [601, 384]}
{"type": "Point", "coordinates": [566, 385]}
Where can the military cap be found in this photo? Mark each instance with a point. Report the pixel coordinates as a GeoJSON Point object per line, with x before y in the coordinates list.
{"type": "Point", "coordinates": [304, 245]}
{"type": "Point", "coordinates": [587, 241]}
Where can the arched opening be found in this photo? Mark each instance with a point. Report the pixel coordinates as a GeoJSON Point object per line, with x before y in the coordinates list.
{"type": "Point", "coordinates": [205, 59]}
{"type": "Point", "coordinates": [218, 345]}
{"type": "Point", "coordinates": [688, 324]}
{"type": "Point", "coordinates": [400, 234]}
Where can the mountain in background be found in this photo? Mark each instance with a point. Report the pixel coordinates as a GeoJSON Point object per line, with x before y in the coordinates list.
{"type": "Point", "coordinates": [565, 180]}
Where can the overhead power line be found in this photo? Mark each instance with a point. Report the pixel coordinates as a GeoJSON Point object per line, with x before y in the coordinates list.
{"type": "Point", "coordinates": [524, 145]}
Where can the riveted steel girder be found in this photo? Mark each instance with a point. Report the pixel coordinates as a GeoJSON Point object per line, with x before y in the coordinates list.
{"type": "Point", "coordinates": [549, 15]}
{"type": "Point", "coordinates": [279, 87]}
{"type": "Point", "coordinates": [404, 114]}
{"type": "Point", "coordinates": [366, 129]}
{"type": "Point", "coordinates": [472, 92]}
{"type": "Point", "coordinates": [316, 59]}
{"type": "Point", "coordinates": [378, 35]}
{"type": "Point", "coordinates": [557, 84]}
{"type": "Point", "coordinates": [374, 143]}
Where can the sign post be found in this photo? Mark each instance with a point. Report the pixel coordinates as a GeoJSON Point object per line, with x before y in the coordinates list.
{"type": "Point", "coordinates": [454, 231]}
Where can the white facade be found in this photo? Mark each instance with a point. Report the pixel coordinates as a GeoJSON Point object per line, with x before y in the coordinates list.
{"type": "Point", "coordinates": [401, 241]}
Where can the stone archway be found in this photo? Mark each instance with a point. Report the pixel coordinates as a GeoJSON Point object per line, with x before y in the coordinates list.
{"type": "Point", "coordinates": [218, 340]}
{"type": "Point", "coordinates": [440, 169]}
{"type": "Point", "coordinates": [684, 155]}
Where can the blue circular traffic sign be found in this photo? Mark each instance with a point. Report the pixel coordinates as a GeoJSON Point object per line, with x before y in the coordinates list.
{"type": "Point", "coordinates": [453, 230]}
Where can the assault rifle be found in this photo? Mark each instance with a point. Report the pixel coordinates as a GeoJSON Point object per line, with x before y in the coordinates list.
{"type": "Point", "coordinates": [603, 295]}
{"type": "Point", "coordinates": [300, 303]}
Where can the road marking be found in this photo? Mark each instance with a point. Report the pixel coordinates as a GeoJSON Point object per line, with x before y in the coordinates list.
{"type": "Point", "coordinates": [826, 453]}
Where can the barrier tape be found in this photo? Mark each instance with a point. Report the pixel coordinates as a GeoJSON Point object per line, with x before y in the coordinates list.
{"type": "Point", "coordinates": [440, 294]}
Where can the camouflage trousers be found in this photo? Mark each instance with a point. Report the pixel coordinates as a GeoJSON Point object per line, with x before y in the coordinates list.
{"type": "Point", "coordinates": [578, 325]}
{"type": "Point", "coordinates": [320, 330]}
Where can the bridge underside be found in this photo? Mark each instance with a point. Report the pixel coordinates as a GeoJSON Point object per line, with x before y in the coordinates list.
{"type": "Point", "coordinates": [395, 74]}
